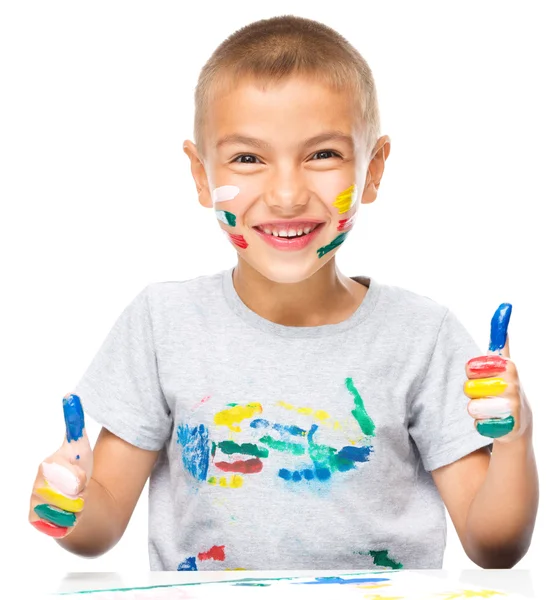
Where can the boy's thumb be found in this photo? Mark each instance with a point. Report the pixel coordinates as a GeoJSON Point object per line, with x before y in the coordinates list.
{"type": "Point", "coordinates": [76, 446]}
{"type": "Point", "coordinates": [499, 339]}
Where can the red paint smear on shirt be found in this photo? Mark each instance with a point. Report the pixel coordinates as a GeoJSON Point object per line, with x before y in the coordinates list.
{"type": "Point", "coordinates": [238, 240]}
{"type": "Point", "coordinates": [486, 365]}
{"type": "Point", "coordinates": [50, 529]}
{"type": "Point", "coordinates": [253, 465]}
{"type": "Point", "coordinates": [215, 553]}
{"type": "Point", "coordinates": [345, 224]}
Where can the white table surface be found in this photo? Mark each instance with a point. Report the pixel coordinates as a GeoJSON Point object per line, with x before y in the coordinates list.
{"type": "Point", "coordinates": [531, 583]}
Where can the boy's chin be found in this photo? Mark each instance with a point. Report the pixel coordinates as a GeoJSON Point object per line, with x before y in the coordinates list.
{"type": "Point", "coordinates": [287, 273]}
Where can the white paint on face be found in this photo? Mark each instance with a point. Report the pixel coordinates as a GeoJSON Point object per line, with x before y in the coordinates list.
{"type": "Point", "coordinates": [224, 193]}
{"type": "Point", "coordinates": [61, 479]}
{"type": "Point", "coordinates": [493, 407]}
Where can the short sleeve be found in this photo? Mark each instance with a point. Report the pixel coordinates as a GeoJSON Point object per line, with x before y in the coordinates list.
{"type": "Point", "coordinates": [439, 422]}
{"type": "Point", "coordinates": [121, 389]}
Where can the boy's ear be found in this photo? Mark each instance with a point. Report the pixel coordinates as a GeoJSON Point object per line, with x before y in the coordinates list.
{"type": "Point", "coordinates": [199, 174]}
{"type": "Point", "coordinates": [375, 169]}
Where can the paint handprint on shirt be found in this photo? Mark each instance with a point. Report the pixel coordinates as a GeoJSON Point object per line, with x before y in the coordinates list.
{"type": "Point", "coordinates": [317, 461]}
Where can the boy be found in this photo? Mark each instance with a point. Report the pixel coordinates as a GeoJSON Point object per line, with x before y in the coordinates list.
{"type": "Point", "coordinates": [289, 416]}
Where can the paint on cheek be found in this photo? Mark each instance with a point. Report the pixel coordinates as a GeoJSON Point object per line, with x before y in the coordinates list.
{"type": "Point", "coordinates": [238, 240]}
{"type": "Point", "coordinates": [346, 224]}
{"type": "Point", "coordinates": [499, 327]}
{"type": "Point", "coordinates": [487, 365]}
{"type": "Point", "coordinates": [490, 408]}
{"type": "Point", "coordinates": [224, 193]}
{"type": "Point", "coordinates": [334, 244]}
{"type": "Point", "coordinates": [54, 515]}
{"type": "Point", "coordinates": [74, 417]}
{"type": "Point", "coordinates": [226, 217]}
{"type": "Point", "coordinates": [495, 428]}
{"type": "Point", "coordinates": [50, 529]}
{"type": "Point", "coordinates": [480, 388]}
{"type": "Point", "coordinates": [345, 200]}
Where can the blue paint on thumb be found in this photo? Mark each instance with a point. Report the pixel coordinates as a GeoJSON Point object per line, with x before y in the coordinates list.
{"type": "Point", "coordinates": [499, 327]}
{"type": "Point", "coordinates": [74, 417]}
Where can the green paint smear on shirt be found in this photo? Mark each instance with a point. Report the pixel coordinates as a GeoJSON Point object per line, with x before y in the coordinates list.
{"type": "Point", "coordinates": [226, 217]}
{"type": "Point", "coordinates": [381, 559]}
{"type": "Point", "coordinates": [359, 413]}
{"type": "Point", "coordinates": [336, 242]}
{"type": "Point", "coordinates": [495, 428]}
{"type": "Point", "coordinates": [229, 447]}
{"type": "Point", "coordinates": [296, 449]}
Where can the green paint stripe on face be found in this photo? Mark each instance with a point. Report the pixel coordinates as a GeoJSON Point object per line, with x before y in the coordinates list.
{"type": "Point", "coordinates": [55, 515]}
{"type": "Point", "coordinates": [359, 413]}
{"type": "Point", "coordinates": [226, 217]}
{"type": "Point", "coordinates": [495, 428]}
{"type": "Point", "coordinates": [334, 244]}
{"type": "Point", "coordinates": [295, 449]}
{"type": "Point", "coordinates": [229, 447]}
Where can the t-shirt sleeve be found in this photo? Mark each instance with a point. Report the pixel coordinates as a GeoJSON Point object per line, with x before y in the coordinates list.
{"type": "Point", "coordinates": [121, 389]}
{"type": "Point", "coordinates": [439, 422]}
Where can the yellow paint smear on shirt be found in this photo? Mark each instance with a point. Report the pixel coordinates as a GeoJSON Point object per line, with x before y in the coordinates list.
{"type": "Point", "coordinates": [70, 504]}
{"type": "Point", "coordinates": [480, 388]}
{"type": "Point", "coordinates": [345, 199]}
{"type": "Point", "coordinates": [236, 414]}
{"type": "Point", "coordinates": [236, 481]}
{"type": "Point", "coordinates": [321, 415]}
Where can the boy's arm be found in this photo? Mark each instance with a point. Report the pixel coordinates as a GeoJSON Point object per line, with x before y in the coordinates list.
{"type": "Point", "coordinates": [119, 474]}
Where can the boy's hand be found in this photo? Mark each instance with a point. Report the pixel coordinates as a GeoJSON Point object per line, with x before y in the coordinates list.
{"type": "Point", "coordinates": [58, 493]}
{"type": "Point", "coordinates": [498, 403]}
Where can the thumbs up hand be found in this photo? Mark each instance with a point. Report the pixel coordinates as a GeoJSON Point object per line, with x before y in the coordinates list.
{"type": "Point", "coordinates": [498, 403]}
{"type": "Point", "coordinates": [58, 493]}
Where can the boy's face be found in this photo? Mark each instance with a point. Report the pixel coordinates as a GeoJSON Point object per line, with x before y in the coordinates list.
{"type": "Point", "coordinates": [285, 168]}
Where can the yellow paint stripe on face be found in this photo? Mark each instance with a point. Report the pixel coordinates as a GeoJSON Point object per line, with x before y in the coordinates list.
{"type": "Point", "coordinates": [489, 386]}
{"type": "Point", "coordinates": [345, 199]}
{"type": "Point", "coordinates": [73, 505]}
{"type": "Point", "coordinates": [236, 414]}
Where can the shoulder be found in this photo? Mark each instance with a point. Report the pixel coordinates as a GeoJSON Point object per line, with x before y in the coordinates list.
{"type": "Point", "coordinates": [201, 289]}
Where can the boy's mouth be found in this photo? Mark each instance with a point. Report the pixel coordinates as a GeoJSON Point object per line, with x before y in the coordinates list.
{"type": "Point", "coordinates": [288, 230]}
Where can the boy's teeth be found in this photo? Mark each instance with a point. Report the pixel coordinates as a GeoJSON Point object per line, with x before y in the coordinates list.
{"type": "Point", "coordinates": [306, 230]}
{"type": "Point", "coordinates": [288, 233]}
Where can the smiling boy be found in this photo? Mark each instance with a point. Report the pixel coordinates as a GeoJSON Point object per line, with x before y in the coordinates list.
{"type": "Point", "coordinates": [289, 416]}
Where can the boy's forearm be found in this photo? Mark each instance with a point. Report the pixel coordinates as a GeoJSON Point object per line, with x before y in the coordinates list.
{"type": "Point", "coordinates": [99, 528]}
{"type": "Point", "coordinates": [502, 515]}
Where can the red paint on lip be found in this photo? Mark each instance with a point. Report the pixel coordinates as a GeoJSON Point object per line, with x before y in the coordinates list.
{"type": "Point", "coordinates": [215, 553]}
{"type": "Point", "coordinates": [50, 528]}
{"type": "Point", "coordinates": [487, 365]}
{"type": "Point", "coordinates": [253, 465]}
{"type": "Point", "coordinates": [345, 224]}
{"type": "Point", "coordinates": [238, 240]}
{"type": "Point", "coordinates": [296, 243]}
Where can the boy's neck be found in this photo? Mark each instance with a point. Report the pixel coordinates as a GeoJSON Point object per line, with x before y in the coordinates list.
{"type": "Point", "coordinates": [327, 297]}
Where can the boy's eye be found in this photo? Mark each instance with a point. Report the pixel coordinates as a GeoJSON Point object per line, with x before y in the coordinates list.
{"type": "Point", "coordinates": [322, 154]}
{"type": "Point", "coordinates": [246, 159]}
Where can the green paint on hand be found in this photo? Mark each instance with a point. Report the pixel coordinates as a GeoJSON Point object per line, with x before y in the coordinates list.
{"type": "Point", "coordinates": [229, 447]}
{"type": "Point", "coordinates": [359, 413]}
{"type": "Point", "coordinates": [495, 428]}
{"type": "Point", "coordinates": [226, 217]}
{"type": "Point", "coordinates": [55, 515]}
{"type": "Point", "coordinates": [381, 559]}
{"type": "Point", "coordinates": [334, 244]}
{"type": "Point", "coordinates": [296, 449]}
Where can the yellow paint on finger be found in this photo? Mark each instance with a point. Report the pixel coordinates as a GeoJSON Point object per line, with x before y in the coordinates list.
{"type": "Point", "coordinates": [480, 388]}
{"type": "Point", "coordinates": [234, 415]}
{"type": "Point", "coordinates": [345, 199]}
{"type": "Point", "coordinates": [73, 505]}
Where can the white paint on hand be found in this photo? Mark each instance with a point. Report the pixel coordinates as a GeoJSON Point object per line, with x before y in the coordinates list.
{"type": "Point", "coordinates": [493, 407]}
{"type": "Point", "coordinates": [61, 479]}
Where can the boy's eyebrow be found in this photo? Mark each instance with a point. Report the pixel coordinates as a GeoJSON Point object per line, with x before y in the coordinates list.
{"type": "Point", "coordinates": [327, 136]}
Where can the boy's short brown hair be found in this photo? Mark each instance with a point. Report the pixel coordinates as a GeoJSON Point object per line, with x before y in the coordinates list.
{"type": "Point", "coordinates": [272, 49]}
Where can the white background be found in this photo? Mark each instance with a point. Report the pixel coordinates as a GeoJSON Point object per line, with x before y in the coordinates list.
{"type": "Point", "coordinates": [97, 199]}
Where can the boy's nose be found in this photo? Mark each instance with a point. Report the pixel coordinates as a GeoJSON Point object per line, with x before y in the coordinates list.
{"type": "Point", "coordinates": [286, 193]}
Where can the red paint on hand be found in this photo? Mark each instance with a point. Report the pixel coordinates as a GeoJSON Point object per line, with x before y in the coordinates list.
{"type": "Point", "coordinates": [238, 240]}
{"type": "Point", "coordinates": [215, 553]}
{"type": "Point", "coordinates": [50, 528]}
{"type": "Point", "coordinates": [485, 366]}
{"type": "Point", "coordinates": [253, 465]}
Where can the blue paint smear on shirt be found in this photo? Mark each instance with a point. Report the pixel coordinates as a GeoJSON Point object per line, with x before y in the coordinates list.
{"type": "Point", "coordinates": [196, 449]}
{"type": "Point", "coordinates": [74, 417]}
{"type": "Point", "coordinates": [499, 327]}
{"type": "Point", "coordinates": [291, 429]}
{"type": "Point", "coordinates": [340, 580]}
{"type": "Point", "coordinates": [189, 564]}
{"type": "Point", "coordinates": [355, 453]}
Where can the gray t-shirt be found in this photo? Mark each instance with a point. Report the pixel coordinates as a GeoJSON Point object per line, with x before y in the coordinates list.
{"type": "Point", "coordinates": [287, 447]}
